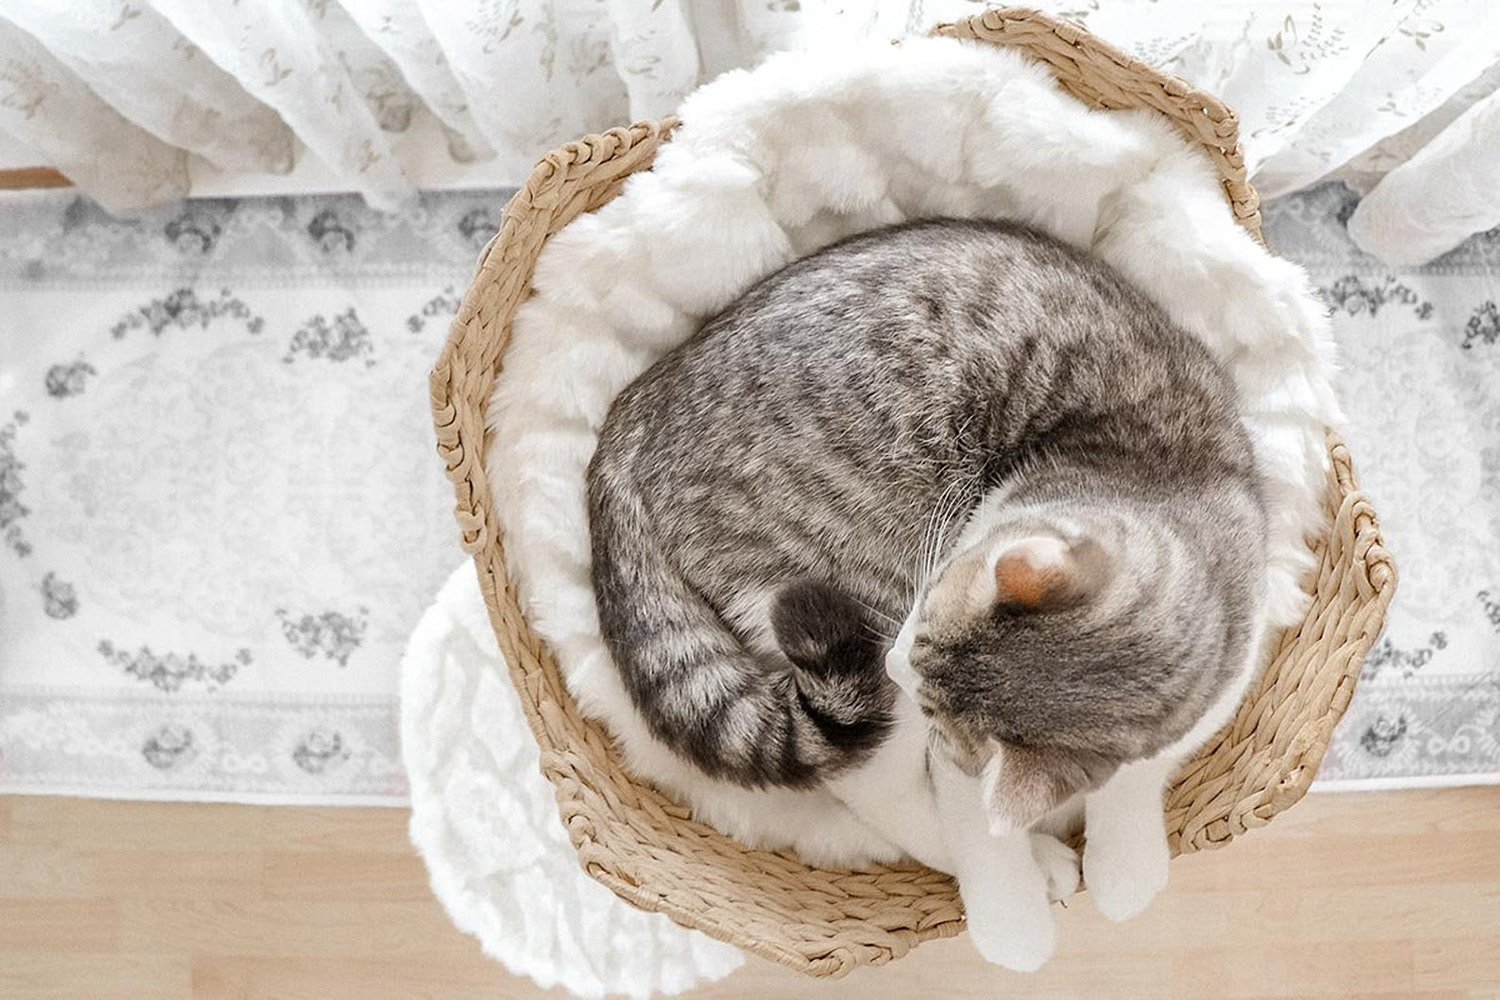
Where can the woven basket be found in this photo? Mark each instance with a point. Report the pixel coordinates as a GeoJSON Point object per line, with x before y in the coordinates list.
{"type": "Point", "coordinates": [825, 922]}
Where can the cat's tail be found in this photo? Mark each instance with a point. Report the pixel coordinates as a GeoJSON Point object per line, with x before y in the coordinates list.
{"type": "Point", "coordinates": [756, 720]}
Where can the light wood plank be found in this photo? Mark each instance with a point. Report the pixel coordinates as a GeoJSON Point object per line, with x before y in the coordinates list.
{"type": "Point", "coordinates": [93, 824]}
{"type": "Point", "coordinates": [1392, 896]}
{"type": "Point", "coordinates": [1322, 969]}
{"type": "Point", "coordinates": [179, 875]}
{"type": "Point", "coordinates": [1458, 965]}
{"type": "Point", "coordinates": [95, 977]}
{"type": "Point", "coordinates": [355, 930]}
{"type": "Point", "coordinates": [43, 873]}
{"type": "Point", "coordinates": [338, 830]}
{"type": "Point", "coordinates": [362, 875]}
{"type": "Point", "coordinates": [229, 978]}
{"type": "Point", "coordinates": [29, 872]}
{"type": "Point", "coordinates": [58, 927]}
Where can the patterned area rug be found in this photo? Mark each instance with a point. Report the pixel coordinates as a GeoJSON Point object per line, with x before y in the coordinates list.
{"type": "Point", "coordinates": [1420, 382]}
{"type": "Point", "coordinates": [220, 507]}
{"type": "Point", "coordinates": [220, 513]}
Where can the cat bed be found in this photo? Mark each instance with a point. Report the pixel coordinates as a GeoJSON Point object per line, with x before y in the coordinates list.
{"type": "Point", "coordinates": [581, 290]}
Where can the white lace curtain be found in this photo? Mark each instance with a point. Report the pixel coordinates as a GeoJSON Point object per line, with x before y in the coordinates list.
{"type": "Point", "coordinates": [122, 95]}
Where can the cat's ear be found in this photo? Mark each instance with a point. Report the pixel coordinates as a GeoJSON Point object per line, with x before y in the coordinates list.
{"type": "Point", "coordinates": [1021, 785]}
{"type": "Point", "coordinates": [1044, 572]}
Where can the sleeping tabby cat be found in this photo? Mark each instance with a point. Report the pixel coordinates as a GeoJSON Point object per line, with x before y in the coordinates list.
{"type": "Point", "coordinates": [977, 431]}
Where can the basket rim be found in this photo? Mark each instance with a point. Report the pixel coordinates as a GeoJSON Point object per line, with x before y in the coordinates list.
{"type": "Point", "coordinates": [462, 440]}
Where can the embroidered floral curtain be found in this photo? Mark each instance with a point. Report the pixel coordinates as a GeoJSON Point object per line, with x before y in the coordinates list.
{"type": "Point", "coordinates": [125, 96]}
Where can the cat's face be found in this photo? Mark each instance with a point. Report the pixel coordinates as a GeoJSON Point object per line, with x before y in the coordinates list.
{"type": "Point", "coordinates": [1045, 660]}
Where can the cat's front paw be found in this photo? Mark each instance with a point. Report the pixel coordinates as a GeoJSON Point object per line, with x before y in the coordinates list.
{"type": "Point", "coordinates": [1059, 863]}
{"type": "Point", "coordinates": [1124, 877]}
{"type": "Point", "coordinates": [1021, 939]}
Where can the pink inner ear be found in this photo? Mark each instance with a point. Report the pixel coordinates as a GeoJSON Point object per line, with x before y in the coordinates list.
{"type": "Point", "coordinates": [1032, 570]}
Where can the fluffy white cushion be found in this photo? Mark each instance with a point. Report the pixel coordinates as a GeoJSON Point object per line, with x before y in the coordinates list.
{"type": "Point", "coordinates": [810, 147]}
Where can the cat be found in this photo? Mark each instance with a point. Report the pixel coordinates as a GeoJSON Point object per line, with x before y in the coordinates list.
{"type": "Point", "coordinates": [951, 520]}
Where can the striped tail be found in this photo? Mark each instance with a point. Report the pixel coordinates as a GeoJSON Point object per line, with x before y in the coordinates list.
{"type": "Point", "coordinates": [738, 716]}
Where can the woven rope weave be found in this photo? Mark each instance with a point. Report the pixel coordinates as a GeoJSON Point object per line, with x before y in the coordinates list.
{"type": "Point", "coordinates": [826, 922]}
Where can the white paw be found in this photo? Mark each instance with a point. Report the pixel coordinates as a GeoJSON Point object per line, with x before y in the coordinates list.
{"type": "Point", "coordinates": [1020, 939]}
{"type": "Point", "coordinates": [1123, 881]}
{"type": "Point", "coordinates": [1059, 863]}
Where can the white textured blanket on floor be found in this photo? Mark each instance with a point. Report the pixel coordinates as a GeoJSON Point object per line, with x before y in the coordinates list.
{"type": "Point", "coordinates": [486, 823]}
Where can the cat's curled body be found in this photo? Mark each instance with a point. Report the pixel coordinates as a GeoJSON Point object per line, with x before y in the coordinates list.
{"type": "Point", "coordinates": [977, 430]}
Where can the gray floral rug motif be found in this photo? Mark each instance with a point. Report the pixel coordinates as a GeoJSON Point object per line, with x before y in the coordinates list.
{"type": "Point", "coordinates": [1420, 381]}
{"type": "Point", "coordinates": [220, 514]}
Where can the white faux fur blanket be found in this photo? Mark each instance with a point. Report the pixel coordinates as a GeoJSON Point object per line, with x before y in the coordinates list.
{"type": "Point", "coordinates": [485, 821]}
{"type": "Point", "coordinates": [811, 147]}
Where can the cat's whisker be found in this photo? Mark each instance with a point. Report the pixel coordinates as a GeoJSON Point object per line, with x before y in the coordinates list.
{"type": "Point", "coordinates": [888, 619]}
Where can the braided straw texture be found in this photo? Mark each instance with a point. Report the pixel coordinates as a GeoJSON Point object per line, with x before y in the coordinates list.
{"type": "Point", "coordinates": [825, 922]}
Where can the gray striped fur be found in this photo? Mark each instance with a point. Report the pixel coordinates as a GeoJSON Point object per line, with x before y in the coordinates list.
{"type": "Point", "coordinates": [768, 501]}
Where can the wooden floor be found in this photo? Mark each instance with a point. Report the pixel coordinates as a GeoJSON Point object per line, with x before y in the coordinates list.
{"type": "Point", "coordinates": [1393, 895]}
